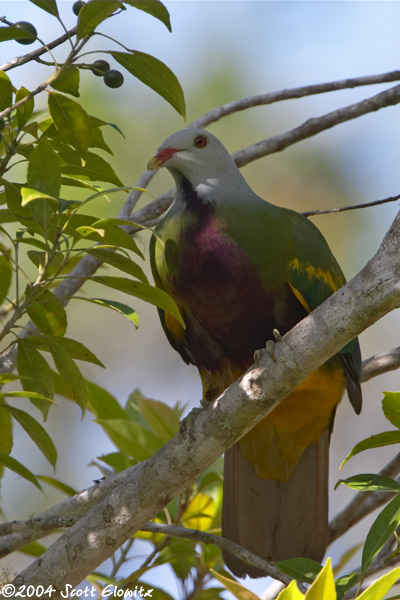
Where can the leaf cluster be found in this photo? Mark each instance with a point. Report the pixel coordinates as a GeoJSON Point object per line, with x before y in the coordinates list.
{"type": "Point", "coordinates": [45, 228]}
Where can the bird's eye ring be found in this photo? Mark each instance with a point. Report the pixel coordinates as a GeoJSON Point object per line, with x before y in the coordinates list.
{"type": "Point", "coordinates": [200, 141]}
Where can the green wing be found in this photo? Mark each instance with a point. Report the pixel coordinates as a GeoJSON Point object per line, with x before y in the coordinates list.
{"type": "Point", "coordinates": [314, 275]}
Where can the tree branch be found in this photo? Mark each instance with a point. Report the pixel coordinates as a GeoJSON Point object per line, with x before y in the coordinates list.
{"type": "Point", "coordinates": [290, 94]}
{"type": "Point", "coordinates": [311, 127]}
{"type": "Point", "coordinates": [142, 491]}
{"type": "Point", "coordinates": [209, 538]}
{"type": "Point", "coordinates": [380, 363]}
{"type": "Point", "coordinates": [21, 60]}
{"type": "Point", "coordinates": [326, 211]}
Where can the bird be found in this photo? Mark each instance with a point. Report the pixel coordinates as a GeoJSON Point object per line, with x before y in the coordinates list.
{"type": "Point", "coordinates": [238, 268]}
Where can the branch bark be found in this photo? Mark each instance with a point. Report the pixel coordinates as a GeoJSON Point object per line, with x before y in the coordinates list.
{"type": "Point", "coordinates": [142, 491]}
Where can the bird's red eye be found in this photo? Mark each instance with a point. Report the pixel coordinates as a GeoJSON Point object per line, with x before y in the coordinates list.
{"type": "Point", "coordinates": [200, 141]}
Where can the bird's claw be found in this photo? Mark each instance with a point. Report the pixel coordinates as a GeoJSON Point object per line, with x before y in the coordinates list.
{"type": "Point", "coordinates": [277, 335]}
{"type": "Point", "coordinates": [270, 348]}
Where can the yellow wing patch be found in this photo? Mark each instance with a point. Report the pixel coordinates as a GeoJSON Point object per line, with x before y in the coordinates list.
{"type": "Point", "coordinates": [317, 272]}
{"type": "Point", "coordinates": [300, 298]}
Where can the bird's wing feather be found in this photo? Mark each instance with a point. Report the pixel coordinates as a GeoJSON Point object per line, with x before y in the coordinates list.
{"type": "Point", "coordinates": [314, 275]}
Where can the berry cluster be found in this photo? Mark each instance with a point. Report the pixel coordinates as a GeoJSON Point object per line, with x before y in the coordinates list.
{"type": "Point", "coordinates": [101, 68]}
{"type": "Point", "coordinates": [112, 78]}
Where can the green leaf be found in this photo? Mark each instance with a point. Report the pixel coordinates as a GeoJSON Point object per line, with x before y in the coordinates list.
{"type": "Point", "coordinates": [237, 589]}
{"type": "Point", "coordinates": [381, 530]}
{"type": "Point", "coordinates": [14, 33]}
{"type": "Point", "coordinates": [6, 273]}
{"type": "Point", "coordinates": [119, 262]}
{"type": "Point", "coordinates": [25, 110]}
{"type": "Point", "coordinates": [17, 467]}
{"type": "Point", "coordinates": [44, 171]}
{"type": "Point", "coordinates": [7, 377]}
{"type": "Point", "coordinates": [291, 592]}
{"type": "Point", "coordinates": [323, 587]}
{"type": "Point", "coordinates": [30, 195]}
{"type": "Point", "coordinates": [5, 83]}
{"type": "Point", "coordinates": [36, 375]}
{"type": "Point", "coordinates": [345, 583]}
{"type": "Point", "coordinates": [48, 314]}
{"type": "Point", "coordinates": [70, 373]}
{"type": "Point", "coordinates": [75, 349]}
{"type": "Point", "coordinates": [49, 6]}
{"type": "Point", "coordinates": [155, 74]}
{"type": "Point", "coordinates": [6, 437]}
{"type": "Point", "coordinates": [378, 440]}
{"type": "Point", "coordinates": [378, 590]}
{"type": "Point", "coordinates": [371, 483]}
{"type": "Point", "coordinates": [58, 485]}
{"type": "Point", "coordinates": [98, 140]}
{"type": "Point", "coordinates": [71, 121]}
{"type": "Point", "coordinates": [103, 404]}
{"type": "Point", "coordinates": [302, 569]}
{"type": "Point", "coordinates": [131, 438]}
{"type": "Point", "coordinates": [117, 461]}
{"type": "Point", "coordinates": [144, 291]}
{"type": "Point", "coordinates": [391, 407]}
{"type": "Point", "coordinates": [27, 394]}
{"type": "Point", "coordinates": [123, 309]}
{"type": "Point", "coordinates": [67, 81]}
{"type": "Point", "coordinates": [33, 549]}
{"type": "Point", "coordinates": [94, 169]}
{"type": "Point", "coordinates": [93, 13]}
{"type": "Point", "coordinates": [154, 8]}
{"type": "Point", "coordinates": [163, 420]}
{"type": "Point", "coordinates": [36, 432]}
{"type": "Point", "coordinates": [108, 231]}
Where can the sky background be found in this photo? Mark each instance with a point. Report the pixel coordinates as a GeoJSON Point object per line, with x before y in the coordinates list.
{"type": "Point", "coordinates": [222, 51]}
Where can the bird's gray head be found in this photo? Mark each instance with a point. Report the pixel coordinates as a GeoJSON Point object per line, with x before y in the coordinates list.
{"type": "Point", "coordinates": [200, 158]}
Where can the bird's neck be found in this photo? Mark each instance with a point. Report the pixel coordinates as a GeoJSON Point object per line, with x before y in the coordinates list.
{"type": "Point", "coordinates": [206, 193]}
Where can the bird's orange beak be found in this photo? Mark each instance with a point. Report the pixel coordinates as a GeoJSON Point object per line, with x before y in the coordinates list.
{"type": "Point", "coordinates": [160, 158]}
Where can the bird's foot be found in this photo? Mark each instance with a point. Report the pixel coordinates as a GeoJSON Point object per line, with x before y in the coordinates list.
{"type": "Point", "coordinates": [269, 347]}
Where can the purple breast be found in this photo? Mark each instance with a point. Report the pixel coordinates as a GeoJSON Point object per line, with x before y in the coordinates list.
{"type": "Point", "coordinates": [229, 313]}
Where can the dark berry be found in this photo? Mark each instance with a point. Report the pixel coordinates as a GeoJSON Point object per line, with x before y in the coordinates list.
{"type": "Point", "coordinates": [26, 26]}
{"type": "Point", "coordinates": [76, 7]}
{"type": "Point", "coordinates": [99, 67]}
{"type": "Point", "coordinates": [113, 78]}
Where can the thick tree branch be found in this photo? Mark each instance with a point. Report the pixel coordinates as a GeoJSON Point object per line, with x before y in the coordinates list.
{"type": "Point", "coordinates": [145, 489]}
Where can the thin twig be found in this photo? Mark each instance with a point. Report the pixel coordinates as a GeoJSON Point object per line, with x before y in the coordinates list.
{"type": "Point", "coordinates": [293, 93]}
{"type": "Point", "coordinates": [325, 211]}
{"type": "Point", "coordinates": [210, 538]}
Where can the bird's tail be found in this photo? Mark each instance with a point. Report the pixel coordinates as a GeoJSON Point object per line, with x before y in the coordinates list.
{"type": "Point", "coordinates": [275, 519]}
